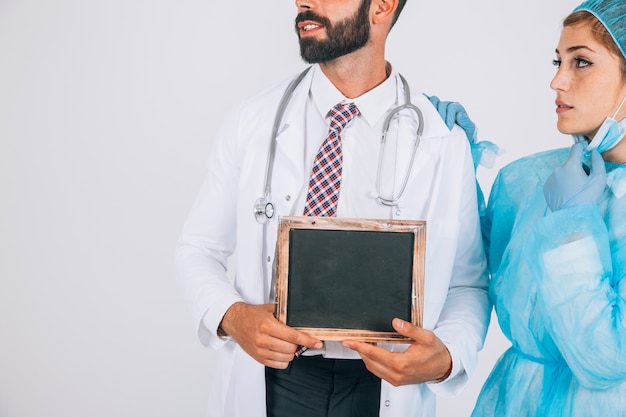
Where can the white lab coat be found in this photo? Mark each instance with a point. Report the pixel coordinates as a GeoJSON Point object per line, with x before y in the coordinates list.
{"type": "Point", "coordinates": [441, 191]}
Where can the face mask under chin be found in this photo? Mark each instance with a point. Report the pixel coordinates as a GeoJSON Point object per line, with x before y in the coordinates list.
{"type": "Point", "coordinates": [608, 136]}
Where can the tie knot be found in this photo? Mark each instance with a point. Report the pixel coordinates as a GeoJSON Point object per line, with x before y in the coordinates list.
{"type": "Point", "coordinates": [341, 114]}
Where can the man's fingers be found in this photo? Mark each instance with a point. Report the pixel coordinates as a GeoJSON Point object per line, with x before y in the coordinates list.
{"type": "Point", "coordinates": [360, 347]}
{"type": "Point", "coordinates": [302, 339]}
{"type": "Point", "coordinates": [368, 351]}
{"type": "Point", "coordinates": [407, 329]}
{"type": "Point", "coordinates": [296, 337]}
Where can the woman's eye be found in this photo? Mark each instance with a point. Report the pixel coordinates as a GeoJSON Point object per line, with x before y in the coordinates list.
{"type": "Point", "coordinates": [556, 63]}
{"type": "Point", "coordinates": [581, 63]}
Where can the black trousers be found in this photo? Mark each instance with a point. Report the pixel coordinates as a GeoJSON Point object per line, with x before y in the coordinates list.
{"type": "Point", "coordinates": [313, 386]}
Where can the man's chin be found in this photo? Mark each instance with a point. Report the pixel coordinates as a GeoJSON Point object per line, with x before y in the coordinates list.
{"type": "Point", "coordinates": [310, 52]}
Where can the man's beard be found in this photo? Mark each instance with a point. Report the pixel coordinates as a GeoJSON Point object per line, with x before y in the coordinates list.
{"type": "Point", "coordinates": [343, 37]}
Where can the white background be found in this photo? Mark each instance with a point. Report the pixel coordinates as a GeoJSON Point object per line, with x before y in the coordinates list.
{"type": "Point", "coordinates": [107, 113]}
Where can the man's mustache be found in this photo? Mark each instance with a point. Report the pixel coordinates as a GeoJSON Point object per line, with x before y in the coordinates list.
{"type": "Point", "coordinates": [312, 16]}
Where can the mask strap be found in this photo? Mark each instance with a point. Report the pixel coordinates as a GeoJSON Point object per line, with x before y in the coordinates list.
{"type": "Point", "coordinates": [619, 108]}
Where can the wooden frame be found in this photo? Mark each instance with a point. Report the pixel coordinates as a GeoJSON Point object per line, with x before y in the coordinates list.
{"type": "Point", "coordinates": [341, 278]}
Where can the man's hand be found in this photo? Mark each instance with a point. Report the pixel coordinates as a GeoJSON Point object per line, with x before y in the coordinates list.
{"type": "Point", "coordinates": [267, 340]}
{"type": "Point", "coordinates": [426, 360]}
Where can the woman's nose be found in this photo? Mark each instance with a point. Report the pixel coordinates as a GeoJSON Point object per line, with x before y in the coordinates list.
{"type": "Point", "coordinates": [560, 82]}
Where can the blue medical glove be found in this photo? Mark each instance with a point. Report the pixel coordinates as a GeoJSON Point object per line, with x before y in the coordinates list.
{"type": "Point", "coordinates": [569, 185]}
{"type": "Point", "coordinates": [452, 112]}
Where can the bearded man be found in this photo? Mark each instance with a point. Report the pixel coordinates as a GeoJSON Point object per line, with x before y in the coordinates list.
{"type": "Point", "coordinates": [266, 368]}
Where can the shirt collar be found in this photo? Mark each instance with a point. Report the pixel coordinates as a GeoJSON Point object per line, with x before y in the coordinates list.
{"type": "Point", "coordinates": [372, 105]}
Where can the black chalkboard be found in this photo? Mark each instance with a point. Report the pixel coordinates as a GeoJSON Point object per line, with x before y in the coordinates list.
{"type": "Point", "coordinates": [349, 277]}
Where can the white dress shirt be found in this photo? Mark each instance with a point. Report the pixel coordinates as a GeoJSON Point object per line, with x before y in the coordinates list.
{"type": "Point", "coordinates": [360, 142]}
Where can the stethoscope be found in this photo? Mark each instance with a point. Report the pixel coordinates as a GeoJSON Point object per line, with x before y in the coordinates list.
{"type": "Point", "coordinates": [263, 207]}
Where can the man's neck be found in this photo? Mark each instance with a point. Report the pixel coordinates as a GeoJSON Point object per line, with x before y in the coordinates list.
{"type": "Point", "coordinates": [355, 75]}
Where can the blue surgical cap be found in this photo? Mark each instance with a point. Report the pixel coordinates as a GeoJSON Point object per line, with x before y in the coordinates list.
{"type": "Point", "coordinates": [612, 14]}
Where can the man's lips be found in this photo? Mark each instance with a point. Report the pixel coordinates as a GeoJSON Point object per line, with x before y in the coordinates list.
{"type": "Point", "coordinates": [308, 26]}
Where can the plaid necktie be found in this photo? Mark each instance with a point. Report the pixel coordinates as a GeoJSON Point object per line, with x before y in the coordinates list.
{"type": "Point", "coordinates": [325, 181]}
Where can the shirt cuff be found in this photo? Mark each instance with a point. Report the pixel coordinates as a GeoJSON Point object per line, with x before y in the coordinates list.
{"type": "Point", "coordinates": [455, 382]}
{"type": "Point", "coordinates": [207, 328]}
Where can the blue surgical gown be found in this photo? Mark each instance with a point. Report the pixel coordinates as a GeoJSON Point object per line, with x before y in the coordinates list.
{"type": "Point", "coordinates": [559, 291]}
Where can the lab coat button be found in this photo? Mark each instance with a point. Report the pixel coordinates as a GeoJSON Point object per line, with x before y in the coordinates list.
{"type": "Point", "coordinates": [269, 259]}
{"type": "Point", "coordinates": [398, 211]}
{"type": "Point", "coordinates": [387, 403]}
{"type": "Point", "coordinates": [287, 197]}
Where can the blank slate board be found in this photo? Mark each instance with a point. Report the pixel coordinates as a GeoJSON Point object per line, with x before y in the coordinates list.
{"type": "Point", "coordinates": [343, 279]}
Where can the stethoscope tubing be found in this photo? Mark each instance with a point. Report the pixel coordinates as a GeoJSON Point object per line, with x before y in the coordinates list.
{"type": "Point", "coordinates": [282, 106]}
{"type": "Point", "coordinates": [264, 209]}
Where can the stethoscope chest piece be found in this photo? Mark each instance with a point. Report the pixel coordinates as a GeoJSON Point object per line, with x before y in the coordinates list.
{"type": "Point", "coordinates": [263, 210]}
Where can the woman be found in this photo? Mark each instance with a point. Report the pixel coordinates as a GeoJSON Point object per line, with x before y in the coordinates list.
{"type": "Point", "coordinates": [556, 229]}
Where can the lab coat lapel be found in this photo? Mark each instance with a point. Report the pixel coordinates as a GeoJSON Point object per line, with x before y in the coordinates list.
{"type": "Point", "coordinates": [289, 176]}
{"type": "Point", "coordinates": [427, 156]}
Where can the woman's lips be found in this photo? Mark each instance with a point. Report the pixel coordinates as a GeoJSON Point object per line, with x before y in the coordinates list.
{"type": "Point", "coordinates": [561, 107]}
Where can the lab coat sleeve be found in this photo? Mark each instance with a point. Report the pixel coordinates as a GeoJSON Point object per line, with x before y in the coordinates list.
{"type": "Point", "coordinates": [464, 319]}
{"type": "Point", "coordinates": [208, 238]}
{"type": "Point", "coordinates": [582, 291]}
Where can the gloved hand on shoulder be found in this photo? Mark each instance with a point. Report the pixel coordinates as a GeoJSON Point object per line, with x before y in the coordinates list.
{"type": "Point", "coordinates": [484, 152]}
{"type": "Point", "coordinates": [452, 112]}
{"type": "Point", "coordinates": [569, 185]}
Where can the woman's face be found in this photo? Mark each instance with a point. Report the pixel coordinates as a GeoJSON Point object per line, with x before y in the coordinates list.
{"type": "Point", "coordinates": [589, 83]}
